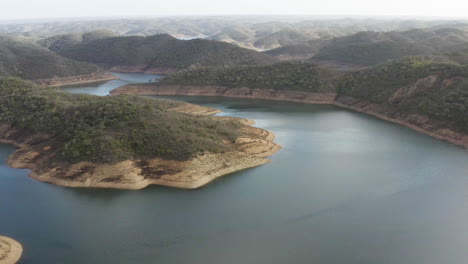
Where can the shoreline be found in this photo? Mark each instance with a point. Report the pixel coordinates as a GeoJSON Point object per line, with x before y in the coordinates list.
{"type": "Point", "coordinates": [143, 69]}
{"type": "Point", "coordinates": [250, 150]}
{"type": "Point", "coordinates": [418, 123]}
{"type": "Point", "coordinates": [76, 80]}
{"type": "Point", "coordinates": [10, 250]}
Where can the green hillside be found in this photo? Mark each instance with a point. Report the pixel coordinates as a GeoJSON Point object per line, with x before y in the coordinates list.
{"type": "Point", "coordinates": [61, 42]}
{"type": "Point", "coordinates": [416, 85]}
{"type": "Point", "coordinates": [281, 38]}
{"type": "Point", "coordinates": [22, 58]}
{"type": "Point", "coordinates": [301, 50]}
{"type": "Point", "coordinates": [296, 76]}
{"type": "Point", "coordinates": [371, 48]}
{"type": "Point", "coordinates": [112, 128]}
{"type": "Point", "coordinates": [163, 51]}
{"type": "Point", "coordinates": [429, 86]}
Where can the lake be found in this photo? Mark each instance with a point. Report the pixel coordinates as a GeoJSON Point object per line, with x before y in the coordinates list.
{"type": "Point", "coordinates": [346, 188]}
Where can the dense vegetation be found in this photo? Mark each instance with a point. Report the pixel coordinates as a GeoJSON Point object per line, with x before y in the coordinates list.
{"type": "Point", "coordinates": [417, 85]}
{"type": "Point", "coordinates": [281, 38]}
{"type": "Point", "coordinates": [371, 48]}
{"type": "Point", "coordinates": [430, 86]}
{"type": "Point", "coordinates": [302, 50]}
{"type": "Point", "coordinates": [112, 128]}
{"type": "Point", "coordinates": [22, 58]}
{"type": "Point", "coordinates": [281, 76]}
{"type": "Point", "coordinates": [61, 42]}
{"type": "Point", "coordinates": [163, 51]}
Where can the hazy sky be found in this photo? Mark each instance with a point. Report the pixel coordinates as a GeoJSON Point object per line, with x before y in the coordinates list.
{"type": "Point", "coordinates": [29, 9]}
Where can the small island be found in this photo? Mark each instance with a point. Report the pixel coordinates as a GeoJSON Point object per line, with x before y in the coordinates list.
{"type": "Point", "coordinates": [124, 142]}
{"type": "Point", "coordinates": [10, 250]}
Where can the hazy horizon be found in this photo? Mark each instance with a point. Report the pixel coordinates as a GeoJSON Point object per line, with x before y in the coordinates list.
{"type": "Point", "coordinates": [109, 9]}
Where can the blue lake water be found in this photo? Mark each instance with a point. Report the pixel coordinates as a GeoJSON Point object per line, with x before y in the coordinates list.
{"type": "Point", "coordinates": [346, 188]}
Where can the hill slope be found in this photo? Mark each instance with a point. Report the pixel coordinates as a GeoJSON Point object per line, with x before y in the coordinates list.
{"type": "Point", "coordinates": [370, 48]}
{"type": "Point", "coordinates": [296, 76]}
{"type": "Point", "coordinates": [163, 50]}
{"type": "Point", "coordinates": [281, 38]}
{"type": "Point", "coordinates": [415, 85]}
{"type": "Point", "coordinates": [61, 42]}
{"type": "Point", "coordinates": [22, 58]}
{"type": "Point", "coordinates": [426, 86]}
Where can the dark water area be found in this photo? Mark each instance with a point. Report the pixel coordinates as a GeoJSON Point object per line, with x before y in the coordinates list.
{"type": "Point", "coordinates": [346, 188]}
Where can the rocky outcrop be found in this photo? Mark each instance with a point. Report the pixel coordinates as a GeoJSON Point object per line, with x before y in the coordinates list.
{"type": "Point", "coordinates": [34, 153]}
{"type": "Point", "coordinates": [73, 80]}
{"type": "Point", "coordinates": [10, 250]}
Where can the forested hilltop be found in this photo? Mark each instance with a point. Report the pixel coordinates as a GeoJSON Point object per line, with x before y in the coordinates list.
{"type": "Point", "coordinates": [63, 41]}
{"type": "Point", "coordinates": [295, 76]}
{"type": "Point", "coordinates": [109, 129]}
{"type": "Point", "coordinates": [163, 51]}
{"type": "Point", "coordinates": [21, 57]}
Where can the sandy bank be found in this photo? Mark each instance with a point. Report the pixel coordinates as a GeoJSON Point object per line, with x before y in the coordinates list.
{"type": "Point", "coordinates": [10, 250]}
{"type": "Point", "coordinates": [434, 128]}
{"type": "Point", "coordinates": [74, 80]}
{"type": "Point", "coordinates": [247, 151]}
{"type": "Point", "coordinates": [290, 96]}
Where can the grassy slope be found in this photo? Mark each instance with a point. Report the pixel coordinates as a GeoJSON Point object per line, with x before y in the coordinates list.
{"type": "Point", "coordinates": [110, 129]}
{"type": "Point", "coordinates": [164, 51]}
{"type": "Point", "coordinates": [22, 58]}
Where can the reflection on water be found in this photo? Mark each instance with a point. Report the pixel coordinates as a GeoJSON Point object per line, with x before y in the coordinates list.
{"type": "Point", "coordinates": [346, 188]}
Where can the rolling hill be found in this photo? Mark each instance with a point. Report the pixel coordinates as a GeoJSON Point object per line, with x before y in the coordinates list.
{"type": "Point", "coordinates": [425, 86]}
{"type": "Point", "coordinates": [61, 42]}
{"type": "Point", "coordinates": [296, 76]}
{"type": "Point", "coordinates": [23, 58]}
{"type": "Point", "coordinates": [163, 51]}
{"type": "Point", "coordinates": [370, 48]}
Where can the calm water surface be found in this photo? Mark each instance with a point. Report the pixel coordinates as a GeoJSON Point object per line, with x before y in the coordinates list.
{"type": "Point", "coordinates": [346, 188]}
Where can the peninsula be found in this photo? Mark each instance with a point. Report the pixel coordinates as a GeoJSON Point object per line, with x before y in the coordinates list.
{"type": "Point", "coordinates": [124, 142]}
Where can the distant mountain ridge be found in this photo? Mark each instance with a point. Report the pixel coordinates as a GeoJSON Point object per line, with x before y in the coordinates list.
{"type": "Point", "coordinates": [370, 48]}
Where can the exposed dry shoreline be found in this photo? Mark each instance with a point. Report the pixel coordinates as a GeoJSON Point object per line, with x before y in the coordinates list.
{"type": "Point", "coordinates": [247, 152]}
{"type": "Point", "coordinates": [433, 128]}
{"type": "Point", "coordinates": [290, 96]}
{"type": "Point", "coordinates": [10, 250]}
{"type": "Point", "coordinates": [143, 69]}
{"type": "Point", "coordinates": [74, 80]}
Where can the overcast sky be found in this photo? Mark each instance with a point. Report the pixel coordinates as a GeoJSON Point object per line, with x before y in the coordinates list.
{"type": "Point", "coordinates": [30, 9]}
